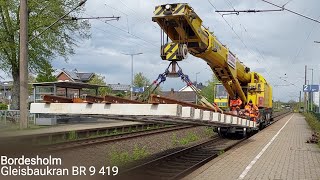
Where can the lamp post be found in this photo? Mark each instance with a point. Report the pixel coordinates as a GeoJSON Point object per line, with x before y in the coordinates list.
{"type": "Point", "coordinates": [197, 86]}
{"type": "Point", "coordinates": [131, 86]}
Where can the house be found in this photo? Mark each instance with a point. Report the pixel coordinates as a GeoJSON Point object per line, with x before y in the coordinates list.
{"type": "Point", "coordinates": [185, 94]}
{"type": "Point", "coordinates": [74, 76]}
{"type": "Point", "coordinates": [188, 88]}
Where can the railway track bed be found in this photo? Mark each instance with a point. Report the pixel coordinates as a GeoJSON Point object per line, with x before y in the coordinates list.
{"type": "Point", "coordinates": [178, 164]}
{"type": "Point", "coordinates": [111, 138]}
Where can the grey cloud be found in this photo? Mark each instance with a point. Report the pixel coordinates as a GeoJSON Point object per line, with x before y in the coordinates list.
{"type": "Point", "coordinates": [278, 36]}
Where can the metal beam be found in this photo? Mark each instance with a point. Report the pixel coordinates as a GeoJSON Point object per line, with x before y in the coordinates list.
{"type": "Point", "coordinates": [115, 99]}
{"type": "Point", "coordinates": [156, 99]}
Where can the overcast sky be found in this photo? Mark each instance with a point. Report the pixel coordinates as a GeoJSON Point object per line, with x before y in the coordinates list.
{"type": "Point", "coordinates": [277, 44]}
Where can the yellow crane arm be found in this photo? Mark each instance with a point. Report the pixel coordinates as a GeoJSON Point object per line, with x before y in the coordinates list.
{"type": "Point", "coordinates": [184, 27]}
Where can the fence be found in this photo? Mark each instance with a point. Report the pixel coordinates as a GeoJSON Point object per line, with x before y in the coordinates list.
{"type": "Point", "coordinates": [13, 116]}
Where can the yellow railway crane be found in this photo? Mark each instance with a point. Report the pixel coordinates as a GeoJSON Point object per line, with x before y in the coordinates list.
{"type": "Point", "coordinates": [184, 27]}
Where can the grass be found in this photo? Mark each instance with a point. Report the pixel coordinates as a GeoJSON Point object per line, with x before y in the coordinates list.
{"type": "Point", "coordinates": [221, 152]}
{"type": "Point", "coordinates": [72, 135]}
{"type": "Point", "coordinates": [209, 131]}
{"type": "Point", "coordinates": [122, 158]}
{"type": "Point", "coordinates": [190, 137]}
{"type": "Point", "coordinates": [313, 122]}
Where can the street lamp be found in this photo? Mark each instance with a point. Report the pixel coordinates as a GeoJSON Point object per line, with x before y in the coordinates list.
{"type": "Point", "coordinates": [131, 54]}
{"type": "Point", "coordinates": [197, 86]}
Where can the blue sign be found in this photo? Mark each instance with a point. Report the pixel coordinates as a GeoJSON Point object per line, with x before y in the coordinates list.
{"type": "Point", "coordinates": [138, 89]}
{"type": "Point", "coordinates": [310, 88]}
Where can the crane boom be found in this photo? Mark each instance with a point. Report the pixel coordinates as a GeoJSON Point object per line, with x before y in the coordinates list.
{"type": "Point", "coordinates": [184, 27]}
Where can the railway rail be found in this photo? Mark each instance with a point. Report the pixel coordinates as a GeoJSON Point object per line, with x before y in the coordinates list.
{"type": "Point", "coordinates": [67, 136]}
{"type": "Point", "coordinates": [126, 134]}
{"type": "Point", "coordinates": [179, 164]}
{"type": "Point", "coordinates": [106, 139]}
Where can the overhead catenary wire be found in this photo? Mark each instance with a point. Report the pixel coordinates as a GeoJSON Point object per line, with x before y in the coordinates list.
{"type": "Point", "coordinates": [116, 27]}
{"type": "Point", "coordinates": [120, 12]}
{"type": "Point", "coordinates": [124, 39]}
{"type": "Point", "coordinates": [110, 18]}
{"type": "Point", "coordinates": [293, 12]}
{"type": "Point", "coordinates": [125, 31]}
{"type": "Point", "coordinates": [244, 44]}
{"type": "Point", "coordinates": [259, 52]}
{"type": "Point", "coordinates": [55, 22]}
{"type": "Point", "coordinates": [294, 84]}
{"type": "Point", "coordinates": [114, 34]}
{"type": "Point", "coordinates": [237, 12]}
{"type": "Point", "coordinates": [134, 11]}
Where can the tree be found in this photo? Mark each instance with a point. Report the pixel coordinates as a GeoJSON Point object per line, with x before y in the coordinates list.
{"type": "Point", "coordinates": [208, 91]}
{"type": "Point", "coordinates": [59, 40]}
{"type": "Point", "coordinates": [31, 79]}
{"type": "Point", "coordinates": [140, 80]}
{"type": "Point", "coordinates": [46, 74]}
{"type": "Point", "coordinates": [100, 80]}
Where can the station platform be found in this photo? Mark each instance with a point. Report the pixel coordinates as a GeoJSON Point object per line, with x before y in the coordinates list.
{"type": "Point", "coordinates": [68, 127]}
{"type": "Point", "coordinates": [278, 152]}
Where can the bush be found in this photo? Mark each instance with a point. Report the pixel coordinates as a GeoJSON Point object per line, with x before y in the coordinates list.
{"type": "Point", "coordinates": [3, 106]}
{"type": "Point", "coordinates": [313, 121]}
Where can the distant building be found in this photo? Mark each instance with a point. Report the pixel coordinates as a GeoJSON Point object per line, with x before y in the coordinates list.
{"type": "Point", "coordinates": [185, 94]}
{"type": "Point", "coordinates": [122, 88]}
{"type": "Point", "coordinates": [74, 76]}
{"type": "Point", "coordinates": [5, 91]}
{"type": "Point", "coordinates": [188, 88]}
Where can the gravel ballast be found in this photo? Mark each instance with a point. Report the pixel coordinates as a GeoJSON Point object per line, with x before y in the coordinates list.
{"type": "Point", "coordinates": [113, 153]}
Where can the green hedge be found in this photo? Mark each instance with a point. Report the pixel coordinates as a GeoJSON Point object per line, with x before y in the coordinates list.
{"type": "Point", "coordinates": [3, 106]}
{"type": "Point", "coordinates": [313, 120]}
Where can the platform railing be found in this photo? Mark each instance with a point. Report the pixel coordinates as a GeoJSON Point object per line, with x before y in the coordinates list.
{"type": "Point", "coordinates": [13, 116]}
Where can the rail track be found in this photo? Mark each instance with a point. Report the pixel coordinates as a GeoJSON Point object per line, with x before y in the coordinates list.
{"type": "Point", "coordinates": [105, 139]}
{"type": "Point", "coordinates": [179, 164]}
{"type": "Point", "coordinates": [117, 137]}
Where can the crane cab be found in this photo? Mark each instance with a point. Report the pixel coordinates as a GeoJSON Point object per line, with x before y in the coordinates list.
{"type": "Point", "coordinates": [221, 97]}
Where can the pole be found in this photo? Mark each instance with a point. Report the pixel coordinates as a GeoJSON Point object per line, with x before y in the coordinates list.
{"type": "Point", "coordinates": [305, 93]}
{"type": "Point", "coordinates": [5, 92]}
{"type": "Point", "coordinates": [299, 102]}
{"type": "Point", "coordinates": [131, 86]}
{"type": "Point", "coordinates": [311, 100]}
{"type": "Point", "coordinates": [197, 86]}
{"type": "Point", "coordinates": [23, 64]}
